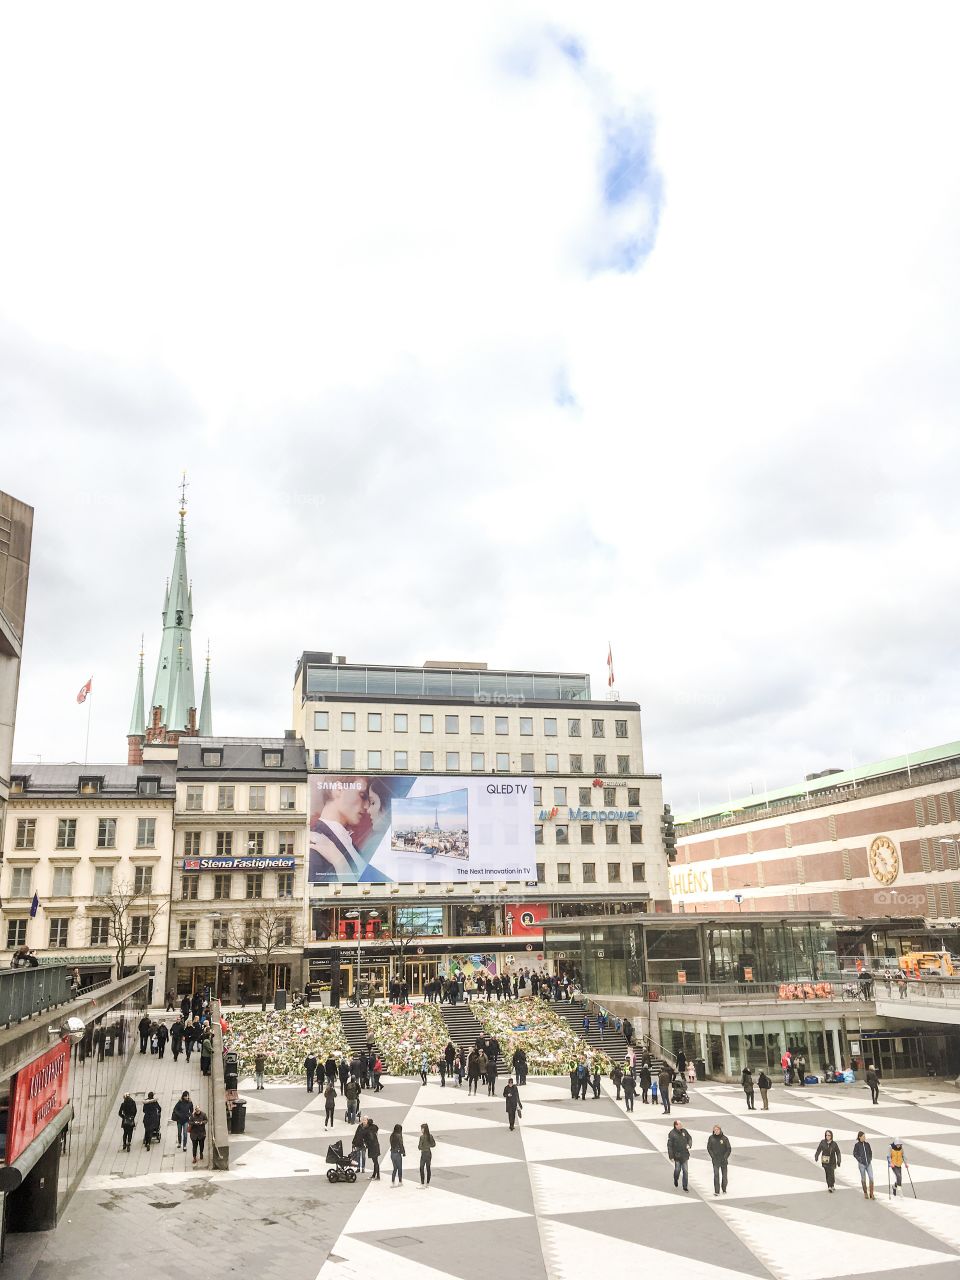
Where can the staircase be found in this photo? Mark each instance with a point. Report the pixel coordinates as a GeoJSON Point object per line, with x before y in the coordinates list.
{"type": "Point", "coordinates": [612, 1042]}
{"type": "Point", "coordinates": [355, 1029]}
{"type": "Point", "coordinates": [464, 1027]}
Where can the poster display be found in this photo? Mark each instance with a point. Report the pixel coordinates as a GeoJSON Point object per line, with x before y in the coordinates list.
{"type": "Point", "coordinates": [40, 1091]}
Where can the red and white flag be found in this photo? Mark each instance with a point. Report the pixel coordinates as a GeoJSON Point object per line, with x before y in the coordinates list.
{"type": "Point", "coordinates": [82, 695]}
{"type": "Point", "coordinates": [609, 665]}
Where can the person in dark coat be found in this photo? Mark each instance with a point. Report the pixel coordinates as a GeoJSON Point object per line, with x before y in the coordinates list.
{"type": "Point", "coordinates": [372, 1140]}
{"type": "Point", "coordinates": [664, 1080]}
{"type": "Point", "coordinates": [198, 1133]}
{"type": "Point", "coordinates": [511, 1097]}
{"type": "Point", "coordinates": [596, 1080]}
{"type": "Point", "coordinates": [330, 1068]}
{"type": "Point", "coordinates": [629, 1089]}
{"type": "Point", "coordinates": [310, 1064]}
{"type": "Point", "coordinates": [128, 1119]}
{"type": "Point", "coordinates": [679, 1143]}
{"type": "Point", "coordinates": [352, 1092]}
{"type": "Point", "coordinates": [143, 1026]}
{"type": "Point", "coordinates": [574, 1084]}
{"type": "Point", "coordinates": [645, 1082]}
{"type": "Point", "coordinates": [151, 1120]}
{"type": "Point", "coordinates": [185, 1008]}
{"type": "Point", "coordinates": [329, 1104]}
{"type": "Point", "coordinates": [176, 1039]}
{"type": "Point", "coordinates": [449, 1056]}
{"type": "Point", "coordinates": [206, 1054]}
{"type": "Point", "coordinates": [473, 1071]}
{"type": "Point", "coordinates": [718, 1149]}
{"type": "Point", "coordinates": [616, 1076]}
{"type": "Point", "coordinates": [746, 1084]}
{"type": "Point", "coordinates": [343, 1074]}
{"type": "Point", "coordinates": [863, 1154]}
{"type": "Point", "coordinates": [873, 1084]}
{"type": "Point", "coordinates": [196, 1004]}
{"type": "Point", "coordinates": [828, 1154]}
{"type": "Point", "coordinates": [519, 1061]}
{"type": "Point", "coordinates": [681, 1063]}
{"type": "Point", "coordinates": [182, 1111]}
{"type": "Point", "coordinates": [491, 1075]}
{"type": "Point", "coordinates": [163, 1035]}
{"type": "Point", "coordinates": [764, 1085]}
{"type": "Point", "coordinates": [360, 1145]}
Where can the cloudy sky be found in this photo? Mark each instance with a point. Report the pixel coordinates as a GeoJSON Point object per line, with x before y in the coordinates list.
{"type": "Point", "coordinates": [494, 332]}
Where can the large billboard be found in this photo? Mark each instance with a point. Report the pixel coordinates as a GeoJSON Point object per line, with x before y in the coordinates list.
{"type": "Point", "coordinates": [410, 829]}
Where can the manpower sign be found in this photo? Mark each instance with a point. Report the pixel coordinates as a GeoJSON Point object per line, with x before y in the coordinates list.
{"type": "Point", "coordinates": [39, 1092]}
{"type": "Point", "coordinates": [691, 884]}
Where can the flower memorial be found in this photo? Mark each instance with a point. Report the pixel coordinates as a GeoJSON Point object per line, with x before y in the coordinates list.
{"type": "Point", "coordinates": [552, 1046]}
{"type": "Point", "coordinates": [404, 1033]}
{"type": "Point", "coordinates": [286, 1038]}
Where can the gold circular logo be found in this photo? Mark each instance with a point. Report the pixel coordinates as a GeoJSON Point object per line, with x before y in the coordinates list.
{"type": "Point", "coordinates": [884, 860]}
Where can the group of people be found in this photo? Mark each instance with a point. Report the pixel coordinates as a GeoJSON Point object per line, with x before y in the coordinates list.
{"type": "Point", "coordinates": [794, 1066]}
{"type": "Point", "coordinates": [190, 1120]}
{"type": "Point", "coordinates": [679, 1146]}
{"type": "Point", "coordinates": [188, 1034]}
{"type": "Point", "coordinates": [366, 1143]}
{"type": "Point", "coordinates": [828, 1156]}
{"type": "Point", "coordinates": [362, 1071]}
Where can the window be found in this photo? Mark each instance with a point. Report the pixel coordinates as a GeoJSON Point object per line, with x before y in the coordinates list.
{"type": "Point", "coordinates": [348, 758]}
{"type": "Point", "coordinates": [501, 724]}
{"type": "Point", "coordinates": [224, 844]}
{"type": "Point", "coordinates": [20, 879]}
{"type": "Point", "coordinates": [562, 833]}
{"type": "Point", "coordinates": [596, 728]}
{"type": "Point", "coordinates": [553, 763]}
{"type": "Point", "coordinates": [285, 844]}
{"type": "Point", "coordinates": [550, 726]}
{"type": "Point", "coordinates": [102, 881]}
{"type": "Point", "coordinates": [426, 724]}
{"type": "Point", "coordinates": [589, 873]}
{"type": "Point", "coordinates": [563, 873]}
{"type": "Point", "coordinates": [639, 872]}
{"type": "Point", "coordinates": [537, 793]}
{"type": "Point", "coordinates": [148, 786]}
{"type": "Point", "coordinates": [254, 844]}
{"type": "Point", "coordinates": [16, 933]}
{"type": "Point", "coordinates": [107, 833]}
{"type": "Point", "coordinates": [426, 761]}
{"type": "Point", "coordinates": [255, 885]}
{"type": "Point", "coordinates": [559, 795]}
{"type": "Point", "coordinates": [284, 932]}
{"type": "Point", "coordinates": [99, 931]}
{"type": "Point", "coordinates": [476, 724]}
{"type": "Point", "coordinates": [272, 759]}
{"type": "Point", "coordinates": [224, 798]}
{"type": "Point", "coordinates": [451, 724]}
{"type": "Point", "coordinates": [90, 786]}
{"type": "Point", "coordinates": [623, 765]}
{"type": "Point", "coordinates": [576, 764]}
{"type": "Point", "coordinates": [194, 799]}
{"type": "Point", "coordinates": [348, 721]}
{"type": "Point", "coordinates": [538, 833]}
{"type": "Point", "coordinates": [59, 931]}
{"type": "Point", "coordinates": [192, 844]}
{"type": "Point", "coordinates": [613, 872]}
{"type": "Point", "coordinates": [67, 833]}
{"type": "Point", "coordinates": [633, 797]}
{"type": "Point", "coordinates": [18, 784]}
{"type": "Point", "coordinates": [609, 795]}
{"type": "Point", "coordinates": [258, 799]}
{"type": "Point", "coordinates": [526, 762]}
{"type": "Point", "coordinates": [584, 793]}
{"type": "Point", "coordinates": [476, 761]}
{"type": "Point", "coordinates": [320, 759]}
{"type": "Point", "coordinates": [221, 885]}
{"type": "Point", "coordinates": [453, 762]}
{"type": "Point", "coordinates": [146, 833]}
{"type": "Point", "coordinates": [636, 833]}
{"type": "Point", "coordinates": [503, 762]}
{"type": "Point", "coordinates": [62, 882]}
{"type": "Point", "coordinates": [211, 759]}
{"type": "Point", "coordinates": [374, 722]}
{"type": "Point", "coordinates": [620, 727]}
{"type": "Point", "coordinates": [188, 935]}
{"type": "Point", "coordinates": [400, 760]}
{"type": "Point", "coordinates": [374, 759]}
{"type": "Point", "coordinates": [586, 833]}
{"type": "Point", "coordinates": [285, 884]}
{"type": "Point", "coordinates": [189, 888]}
{"type": "Point", "coordinates": [321, 721]}
{"type": "Point", "coordinates": [220, 934]}
{"type": "Point", "coordinates": [612, 833]}
{"type": "Point", "coordinates": [251, 933]}
{"type": "Point", "coordinates": [288, 799]}
{"type": "Point", "coordinates": [599, 764]}
{"type": "Point", "coordinates": [573, 728]}
{"type": "Point", "coordinates": [541, 872]}
{"type": "Point", "coordinates": [526, 726]}
{"type": "Point", "coordinates": [143, 879]}
{"type": "Point", "coordinates": [400, 722]}
{"type": "Point", "coordinates": [26, 833]}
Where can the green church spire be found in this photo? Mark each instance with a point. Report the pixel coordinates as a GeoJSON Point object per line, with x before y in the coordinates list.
{"type": "Point", "coordinates": [137, 720]}
{"type": "Point", "coordinates": [173, 689]}
{"type": "Point", "coordinates": [205, 726]}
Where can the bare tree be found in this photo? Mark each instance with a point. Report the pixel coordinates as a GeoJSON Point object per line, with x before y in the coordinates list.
{"type": "Point", "coordinates": [400, 943]}
{"type": "Point", "coordinates": [260, 935]}
{"type": "Point", "coordinates": [133, 917]}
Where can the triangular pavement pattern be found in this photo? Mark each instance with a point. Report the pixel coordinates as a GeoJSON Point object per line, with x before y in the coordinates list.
{"type": "Point", "coordinates": [352, 1259]}
{"type": "Point", "coordinates": [441, 1119]}
{"type": "Point", "coordinates": [271, 1160]}
{"type": "Point", "coordinates": [802, 1251]}
{"type": "Point", "coordinates": [792, 1134]}
{"type": "Point", "coordinates": [538, 1113]}
{"type": "Point", "coordinates": [305, 1125]}
{"type": "Point", "coordinates": [754, 1184]}
{"type": "Point", "coordinates": [257, 1106]}
{"type": "Point", "coordinates": [939, 1220]}
{"type": "Point", "coordinates": [448, 1155]}
{"type": "Point", "coordinates": [549, 1144]}
{"type": "Point", "coordinates": [947, 1150]}
{"type": "Point", "coordinates": [559, 1191]}
{"type": "Point", "coordinates": [850, 1174]}
{"type": "Point", "coordinates": [657, 1135]}
{"type": "Point", "coordinates": [386, 1208]}
{"type": "Point", "coordinates": [574, 1253]}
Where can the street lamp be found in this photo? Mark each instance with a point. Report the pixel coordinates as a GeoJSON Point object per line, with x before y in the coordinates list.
{"type": "Point", "coordinates": [218, 942]}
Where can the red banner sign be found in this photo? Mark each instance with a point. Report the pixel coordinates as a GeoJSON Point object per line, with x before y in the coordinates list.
{"type": "Point", "coordinates": [38, 1092]}
{"type": "Point", "coordinates": [523, 919]}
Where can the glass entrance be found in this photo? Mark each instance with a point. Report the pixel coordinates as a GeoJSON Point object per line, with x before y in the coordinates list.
{"type": "Point", "coordinates": [418, 973]}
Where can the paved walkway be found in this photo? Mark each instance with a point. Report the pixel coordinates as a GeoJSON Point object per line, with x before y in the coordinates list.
{"type": "Point", "coordinates": [577, 1184]}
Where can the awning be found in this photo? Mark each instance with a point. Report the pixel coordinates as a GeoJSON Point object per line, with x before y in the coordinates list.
{"type": "Point", "coordinates": [11, 1175]}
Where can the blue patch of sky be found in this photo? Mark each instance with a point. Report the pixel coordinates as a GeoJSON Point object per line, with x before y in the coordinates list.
{"type": "Point", "coordinates": [572, 49]}
{"type": "Point", "coordinates": [628, 176]}
{"type": "Point", "coordinates": [448, 808]}
{"type": "Point", "coordinates": [562, 394]}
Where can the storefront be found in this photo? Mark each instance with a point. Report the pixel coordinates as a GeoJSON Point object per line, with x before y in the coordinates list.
{"type": "Point", "coordinates": [237, 977]}
{"type": "Point", "coordinates": [93, 969]}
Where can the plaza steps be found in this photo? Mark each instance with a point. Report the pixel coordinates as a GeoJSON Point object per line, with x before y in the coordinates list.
{"type": "Point", "coordinates": [612, 1042]}
{"type": "Point", "coordinates": [464, 1027]}
{"type": "Point", "coordinates": [355, 1029]}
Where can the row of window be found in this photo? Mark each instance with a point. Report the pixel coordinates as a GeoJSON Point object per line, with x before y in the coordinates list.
{"type": "Point", "coordinates": [227, 798]}
{"type": "Point", "coordinates": [588, 872]}
{"type": "Point", "coordinates": [100, 933]}
{"type": "Point", "coordinates": [225, 845]}
{"type": "Point", "coordinates": [562, 833]}
{"type": "Point", "coordinates": [88, 785]}
{"type": "Point", "coordinates": [252, 931]}
{"type": "Point", "coordinates": [21, 881]}
{"type": "Point", "coordinates": [223, 885]}
{"type": "Point", "coordinates": [588, 797]}
{"type": "Point", "coordinates": [271, 757]}
{"type": "Point", "coordinates": [503, 762]}
{"type": "Point", "coordinates": [451, 724]}
{"type": "Point", "coordinates": [26, 837]}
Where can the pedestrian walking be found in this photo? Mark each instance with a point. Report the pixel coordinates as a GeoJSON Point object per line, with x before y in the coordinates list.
{"type": "Point", "coordinates": [310, 1064]}
{"type": "Point", "coordinates": [343, 1075]}
{"type": "Point", "coordinates": [128, 1120]}
{"type": "Point", "coordinates": [259, 1067]}
{"type": "Point", "coordinates": [645, 1082]}
{"type": "Point", "coordinates": [746, 1084]}
{"type": "Point", "coordinates": [360, 1146]}
{"type": "Point", "coordinates": [424, 1068]}
{"type": "Point", "coordinates": [442, 1069]}
{"type": "Point", "coordinates": [629, 1089]}
{"type": "Point", "coordinates": [182, 1111]}
{"type": "Point", "coordinates": [828, 1153]}
{"type": "Point", "coordinates": [189, 1039]}
{"type": "Point", "coordinates": [371, 1136]}
{"type": "Point", "coordinates": [377, 1073]}
{"type": "Point", "coordinates": [718, 1149]}
{"type": "Point", "coordinates": [800, 1068]}
{"type": "Point", "coordinates": [664, 1079]}
{"type": "Point", "coordinates": [763, 1084]}
{"type": "Point", "coordinates": [511, 1098]}
{"type": "Point", "coordinates": [396, 1155]}
{"type": "Point", "coordinates": [206, 1053]}
{"type": "Point", "coordinates": [352, 1095]}
{"type": "Point", "coordinates": [596, 1079]}
{"type": "Point", "coordinates": [473, 1072]}
{"type": "Point", "coordinates": [163, 1035]}
{"type": "Point", "coordinates": [491, 1075]}
{"type": "Point", "coordinates": [896, 1163]}
{"type": "Point", "coordinates": [143, 1026]}
{"type": "Point", "coordinates": [198, 1133]}
{"type": "Point", "coordinates": [583, 1079]}
{"type": "Point", "coordinates": [873, 1083]}
{"type": "Point", "coordinates": [329, 1104]}
{"type": "Point", "coordinates": [863, 1154]}
{"type": "Point", "coordinates": [426, 1142]}
{"type": "Point", "coordinates": [679, 1143]}
{"type": "Point", "coordinates": [786, 1065]}
{"type": "Point", "coordinates": [616, 1077]}
{"type": "Point", "coordinates": [151, 1120]}
{"type": "Point", "coordinates": [176, 1039]}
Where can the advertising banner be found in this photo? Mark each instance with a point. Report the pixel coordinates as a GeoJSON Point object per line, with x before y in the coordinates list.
{"type": "Point", "coordinates": [523, 919]}
{"type": "Point", "coordinates": [39, 1092]}
{"type": "Point", "coordinates": [691, 884]}
{"type": "Point", "coordinates": [239, 864]}
{"type": "Point", "coordinates": [430, 829]}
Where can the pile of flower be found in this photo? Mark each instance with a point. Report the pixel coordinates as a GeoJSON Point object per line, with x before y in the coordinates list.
{"type": "Point", "coordinates": [552, 1047]}
{"type": "Point", "coordinates": [403, 1034]}
{"type": "Point", "coordinates": [286, 1038]}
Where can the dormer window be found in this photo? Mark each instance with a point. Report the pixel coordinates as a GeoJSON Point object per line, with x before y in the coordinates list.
{"type": "Point", "coordinates": [272, 759]}
{"type": "Point", "coordinates": [18, 784]}
{"type": "Point", "coordinates": [90, 786]}
{"type": "Point", "coordinates": [148, 786]}
{"type": "Point", "coordinates": [212, 759]}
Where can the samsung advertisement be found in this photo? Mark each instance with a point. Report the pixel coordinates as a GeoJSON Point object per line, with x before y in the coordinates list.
{"type": "Point", "coordinates": [428, 829]}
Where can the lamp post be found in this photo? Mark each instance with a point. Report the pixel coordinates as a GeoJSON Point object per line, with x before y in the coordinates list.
{"type": "Point", "coordinates": [217, 942]}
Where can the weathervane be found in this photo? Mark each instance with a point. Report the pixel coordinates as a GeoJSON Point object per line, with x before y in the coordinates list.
{"type": "Point", "coordinates": [183, 495]}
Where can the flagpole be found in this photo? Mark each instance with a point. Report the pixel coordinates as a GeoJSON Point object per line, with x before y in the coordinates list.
{"type": "Point", "coordinates": [86, 745]}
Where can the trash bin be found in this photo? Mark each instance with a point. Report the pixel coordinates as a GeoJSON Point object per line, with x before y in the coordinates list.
{"type": "Point", "coordinates": [280, 999]}
{"type": "Point", "coordinates": [238, 1118]}
{"type": "Point", "coordinates": [701, 1068]}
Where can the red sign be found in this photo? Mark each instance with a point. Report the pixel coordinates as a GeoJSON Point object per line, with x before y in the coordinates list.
{"type": "Point", "coordinates": [522, 919]}
{"type": "Point", "coordinates": [38, 1093]}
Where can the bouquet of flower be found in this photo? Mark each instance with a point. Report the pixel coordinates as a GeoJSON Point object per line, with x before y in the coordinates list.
{"type": "Point", "coordinates": [286, 1038]}
{"type": "Point", "coordinates": [404, 1034]}
{"type": "Point", "coordinates": [552, 1047]}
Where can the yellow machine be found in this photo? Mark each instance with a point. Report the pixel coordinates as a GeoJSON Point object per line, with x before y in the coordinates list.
{"type": "Point", "coordinates": [919, 964]}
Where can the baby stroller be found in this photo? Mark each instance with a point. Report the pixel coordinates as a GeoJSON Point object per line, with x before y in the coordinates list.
{"type": "Point", "coordinates": [344, 1169]}
{"type": "Point", "coordinates": [680, 1093]}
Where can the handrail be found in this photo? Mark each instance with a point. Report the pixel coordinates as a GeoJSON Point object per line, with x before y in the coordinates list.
{"type": "Point", "coordinates": [788, 992]}
{"type": "Point", "coordinates": [32, 989]}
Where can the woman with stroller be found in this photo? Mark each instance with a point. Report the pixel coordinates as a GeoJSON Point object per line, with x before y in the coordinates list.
{"type": "Point", "coordinates": [151, 1121]}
